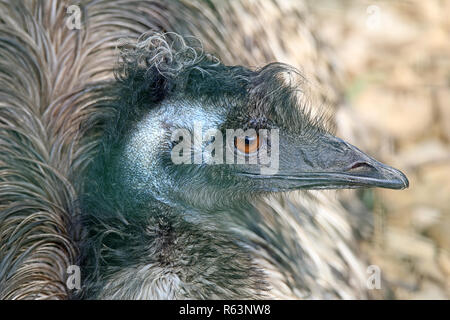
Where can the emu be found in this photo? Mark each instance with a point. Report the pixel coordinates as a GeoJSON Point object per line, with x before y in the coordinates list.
{"type": "Point", "coordinates": [221, 235]}
{"type": "Point", "coordinates": [162, 230]}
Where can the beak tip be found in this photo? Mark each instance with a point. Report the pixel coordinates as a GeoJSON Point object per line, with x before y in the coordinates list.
{"type": "Point", "coordinates": [400, 180]}
{"type": "Point", "coordinates": [405, 180]}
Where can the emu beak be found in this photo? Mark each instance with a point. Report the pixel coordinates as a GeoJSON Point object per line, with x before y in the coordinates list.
{"type": "Point", "coordinates": [329, 163]}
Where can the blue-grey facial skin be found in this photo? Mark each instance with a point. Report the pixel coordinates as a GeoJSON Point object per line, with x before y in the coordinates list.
{"type": "Point", "coordinates": [325, 162]}
{"type": "Point", "coordinates": [146, 168]}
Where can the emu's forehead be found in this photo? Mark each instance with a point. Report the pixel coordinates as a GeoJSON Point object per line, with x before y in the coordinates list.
{"type": "Point", "coordinates": [186, 113]}
{"type": "Point", "coordinates": [173, 114]}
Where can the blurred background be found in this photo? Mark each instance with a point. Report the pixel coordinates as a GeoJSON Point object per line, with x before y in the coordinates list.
{"type": "Point", "coordinates": [394, 59]}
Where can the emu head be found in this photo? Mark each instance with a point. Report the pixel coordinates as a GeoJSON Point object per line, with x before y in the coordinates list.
{"type": "Point", "coordinates": [172, 138]}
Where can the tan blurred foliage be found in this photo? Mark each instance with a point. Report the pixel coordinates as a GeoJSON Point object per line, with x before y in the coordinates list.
{"type": "Point", "coordinates": [396, 59]}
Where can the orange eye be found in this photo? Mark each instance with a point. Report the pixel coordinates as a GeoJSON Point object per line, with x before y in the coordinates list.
{"type": "Point", "coordinates": [247, 145]}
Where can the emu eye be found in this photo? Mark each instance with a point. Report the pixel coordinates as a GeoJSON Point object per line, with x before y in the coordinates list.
{"type": "Point", "coordinates": [247, 144]}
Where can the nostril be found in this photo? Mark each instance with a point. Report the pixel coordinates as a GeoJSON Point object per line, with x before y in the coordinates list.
{"type": "Point", "coordinates": [360, 165]}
